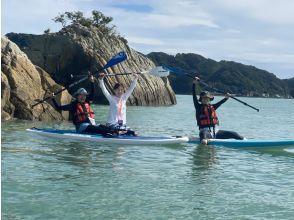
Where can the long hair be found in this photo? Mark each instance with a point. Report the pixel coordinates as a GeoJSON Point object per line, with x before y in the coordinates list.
{"type": "Point", "coordinates": [116, 86]}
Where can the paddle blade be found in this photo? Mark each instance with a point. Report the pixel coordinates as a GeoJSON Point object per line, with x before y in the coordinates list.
{"type": "Point", "coordinates": [173, 69]}
{"type": "Point", "coordinates": [157, 71]}
{"type": "Point", "coordinates": [121, 56]}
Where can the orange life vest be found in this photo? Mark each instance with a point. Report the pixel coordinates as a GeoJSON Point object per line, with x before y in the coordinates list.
{"type": "Point", "coordinates": [83, 112]}
{"type": "Point", "coordinates": [207, 116]}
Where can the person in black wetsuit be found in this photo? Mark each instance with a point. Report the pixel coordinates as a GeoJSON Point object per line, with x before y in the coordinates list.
{"type": "Point", "coordinates": [206, 117]}
{"type": "Point", "coordinates": [82, 114]}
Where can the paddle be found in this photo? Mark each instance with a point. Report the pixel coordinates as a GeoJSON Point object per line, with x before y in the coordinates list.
{"type": "Point", "coordinates": [121, 56]}
{"type": "Point", "coordinates": [179, 71]}
{"type": "Point", "coordinates": [156, 71]}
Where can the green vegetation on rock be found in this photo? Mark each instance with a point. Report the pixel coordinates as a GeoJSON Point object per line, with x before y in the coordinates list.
{"type": "Point", "coordinates": [98, 20]}
{"type": "Point", "coordinates": [236, 78]}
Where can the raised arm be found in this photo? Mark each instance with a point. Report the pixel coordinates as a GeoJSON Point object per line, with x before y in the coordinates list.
{"type": "Point", "coordinates": [131, 88]}
{"type": "Point", "coordinates": [61, 107]}
{"type": "Point", "coordinates": [195, 99]}
{"type": "Point", "coordinates": [218, 104]}
{"type": "Point", "coordinates": [90, 97]}
{"type": "Point", "coordinates": [104, 90]}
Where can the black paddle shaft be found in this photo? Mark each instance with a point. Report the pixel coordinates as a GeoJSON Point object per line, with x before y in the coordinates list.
{"type": "Point", "coordinates": [69, 86]}
{"type": "Point", "coordinates": [121, 56]}
{"type": "Point", "coordinates": [217, 90]}
{"type": "Point", "coordinates": [112, 74]}
{"type": "Point", "coordinates": [60, 91]}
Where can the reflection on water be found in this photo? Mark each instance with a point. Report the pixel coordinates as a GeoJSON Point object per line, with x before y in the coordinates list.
{"type": "Point", "coordinates": [204, 158]}
{"type": "Point", "coordinates": [47, 178]}
{"type": "Point", "coordinates": [275, 152]}
{"type": "Point", "coordinates": [87, 156]}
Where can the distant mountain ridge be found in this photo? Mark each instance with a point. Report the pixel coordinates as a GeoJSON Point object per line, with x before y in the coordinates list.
{"type": "Point", "coordinates": [229, 76]}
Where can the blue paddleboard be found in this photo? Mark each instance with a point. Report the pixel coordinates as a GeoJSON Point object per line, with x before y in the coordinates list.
{"type": "Point", "coordinates": [246, 143]}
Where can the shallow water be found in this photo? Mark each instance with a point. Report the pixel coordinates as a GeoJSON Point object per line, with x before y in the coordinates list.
{"type": "Point", "coordinates": [46, 178]}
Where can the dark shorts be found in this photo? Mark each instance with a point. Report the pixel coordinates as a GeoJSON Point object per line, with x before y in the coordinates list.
{"type": "Point", "coordinates": [117, 127]}
{"type": "Point", "coordinates": [207, 133]}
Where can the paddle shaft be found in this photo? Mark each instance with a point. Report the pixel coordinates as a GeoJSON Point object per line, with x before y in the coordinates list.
{"type": "Point", "coordinates": [217, 90]}
{"type": "Point", "coordinates": [60, 91]}
{"type": "Point", "coordinates": [121, 56]}
{"type": "Point", "coordinates": [112, 74]}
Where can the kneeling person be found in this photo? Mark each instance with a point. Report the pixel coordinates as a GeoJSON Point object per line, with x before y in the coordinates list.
{"type": "Point", "coordinates": [117, 105]}
{"type": "Point", "coordinates": [206, 117]}
{"type": "Point", "coordinates": [82, 115]}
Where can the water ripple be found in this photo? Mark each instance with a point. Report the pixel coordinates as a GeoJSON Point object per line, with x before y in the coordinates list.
{"type": "Point", "coordinates": [44, 178]}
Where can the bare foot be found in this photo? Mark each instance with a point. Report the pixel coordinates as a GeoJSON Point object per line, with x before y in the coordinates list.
{"type": "Point", "coordinates": [122, 132]}
{"type": "Point", "coordinates": [204, 141]}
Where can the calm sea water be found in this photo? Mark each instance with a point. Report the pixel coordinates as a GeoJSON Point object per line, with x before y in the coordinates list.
{"type": "Point", "coordinates": [46, 178]}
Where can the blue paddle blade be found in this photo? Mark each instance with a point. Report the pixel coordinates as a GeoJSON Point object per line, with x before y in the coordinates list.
{"type": "Point", "coordinates": [173, 69]}
{"type": "Point", "coordinates": [121, 56]}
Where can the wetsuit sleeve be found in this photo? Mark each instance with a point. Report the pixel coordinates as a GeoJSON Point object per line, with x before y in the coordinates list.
{"type": "Point", "coordinates": [67, 107]}
{"type": "Point", "coordinates": [218, 104]}
{"type": "Point", "coordinates": [131, 89]}
{"type": "Point", "coordinates": [195, 99]}
{"type": "Point", "coordinates": [91, 94]}
{"type": "Point", "coordinates": [104, 90]}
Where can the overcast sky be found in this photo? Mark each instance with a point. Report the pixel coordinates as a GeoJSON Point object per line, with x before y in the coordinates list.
{"type": "Point", "coordinates": [253, 32]}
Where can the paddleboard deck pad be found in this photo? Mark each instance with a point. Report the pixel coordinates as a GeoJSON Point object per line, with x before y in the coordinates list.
{"type": "Point", "coordinates": [246, 143]}
{"type": "Point", "coordinates": [121, 139]}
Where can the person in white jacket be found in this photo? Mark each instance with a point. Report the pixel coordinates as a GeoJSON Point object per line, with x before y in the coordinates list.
{"type": "Point", "coordinates": [117, 105]}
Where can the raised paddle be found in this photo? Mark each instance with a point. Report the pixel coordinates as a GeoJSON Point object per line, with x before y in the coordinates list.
{"type": "Point", "coordinates": [156, 71]}
{"type": "Point", "coordinates": [121, 56]}
{"type": "Point", "coordinates": [179, 71]}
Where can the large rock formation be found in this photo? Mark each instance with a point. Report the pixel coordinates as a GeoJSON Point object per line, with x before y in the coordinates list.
{"type": "Point", "coordinates": [22, 83]}
{"type": "Point", "coordinates": [76, 49]}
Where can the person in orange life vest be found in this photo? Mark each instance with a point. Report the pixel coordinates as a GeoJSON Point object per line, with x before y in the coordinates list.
{"type": "Point", "coordinates": [207, 119]}
{"type": "Point", "coordinates": [82, 114]}
{"type": "Point", "coordinates": [117, 105]}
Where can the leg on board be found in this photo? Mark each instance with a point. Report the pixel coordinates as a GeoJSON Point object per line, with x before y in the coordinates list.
{"type": "Point", "coordinates": [204, 135]}
{"type": "Point", "coordinates": [222, 134]}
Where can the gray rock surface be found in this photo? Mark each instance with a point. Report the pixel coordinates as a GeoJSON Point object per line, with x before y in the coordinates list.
{"type": "Point", "coordinates": [22, 83]}
{"type": "Point", "coordinates": [77, 49]}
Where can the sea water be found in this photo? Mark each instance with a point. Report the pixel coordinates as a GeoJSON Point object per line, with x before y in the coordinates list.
{"type": "Point", "coordinates": [48, 178]}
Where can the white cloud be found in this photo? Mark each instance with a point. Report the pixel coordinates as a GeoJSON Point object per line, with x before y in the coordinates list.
{"type": "Point", "coordinates": [173, 21]}
{"type": "Point", "coordinates": [269, 58]}
{"type": "Point", "coordinates": [32, 16]}
{"type": "Point", "coordinates": [143, 40]}
{"type": "Point", "coordinates": [256, 32]}
{"type": "Point", "coordinates": [270, 11]}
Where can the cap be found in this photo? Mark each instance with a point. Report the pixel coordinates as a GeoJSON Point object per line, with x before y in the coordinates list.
{"type": "Point", "coordinates": [205, 94]}
{"type": "Point", "coordinates": [81, 91]}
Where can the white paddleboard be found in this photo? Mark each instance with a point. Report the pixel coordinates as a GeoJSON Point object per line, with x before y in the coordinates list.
{"type": "Point", "coordinates": [122, 139]}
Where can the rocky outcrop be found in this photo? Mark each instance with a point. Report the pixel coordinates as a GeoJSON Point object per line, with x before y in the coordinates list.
{"type": "Point", "coordinates": [22, 83]}
{"type": "Point", "coordinates": [77, 49]}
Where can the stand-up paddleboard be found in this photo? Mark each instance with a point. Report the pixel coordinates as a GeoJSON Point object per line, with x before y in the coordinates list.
{"type": "Point", "coordinates": [122, 139]}
{"type": "Point", "coordinates": [246, 143]}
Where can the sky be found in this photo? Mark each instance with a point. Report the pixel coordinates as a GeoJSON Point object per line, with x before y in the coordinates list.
{"type": "Point", "coordinates": [252, 32]}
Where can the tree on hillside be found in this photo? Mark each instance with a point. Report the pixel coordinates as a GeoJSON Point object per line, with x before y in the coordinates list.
{"type": "Point", "coordinates": [103, 22]}
{"type": "Point", "coordinates": [98, 20]}
{"type": "Point", "coordinates": [60, 18]}
{"type": "Point", "coordinates": [47, 31]}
